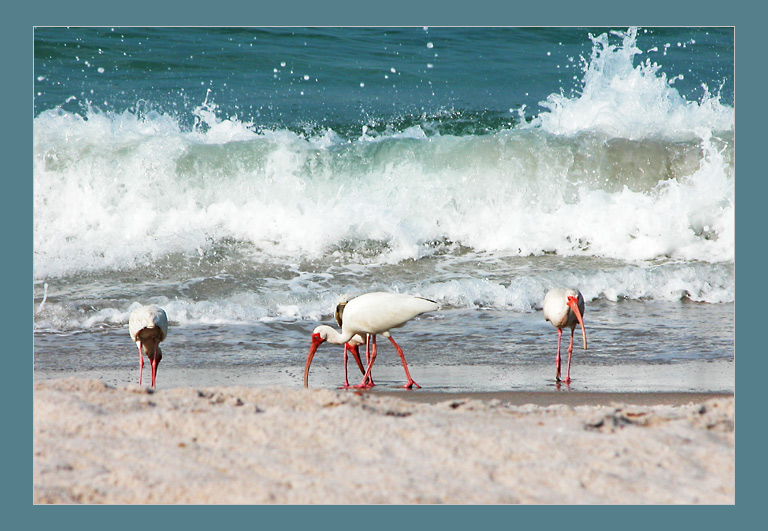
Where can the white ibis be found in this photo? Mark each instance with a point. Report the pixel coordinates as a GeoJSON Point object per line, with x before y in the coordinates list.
{"type": "Point", "coordinates": [565, 308]}
{"type": "Point", "coordinates": [372, 313]}
{"type": "Point", "coordinates": [148, 326]}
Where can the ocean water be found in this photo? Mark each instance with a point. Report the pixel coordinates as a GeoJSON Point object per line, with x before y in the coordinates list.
{"type": "Point", "coordinates": [247, 178]}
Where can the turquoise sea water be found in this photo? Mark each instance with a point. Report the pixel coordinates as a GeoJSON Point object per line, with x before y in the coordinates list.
{"type": "Point", "coordinates": [246, 178]}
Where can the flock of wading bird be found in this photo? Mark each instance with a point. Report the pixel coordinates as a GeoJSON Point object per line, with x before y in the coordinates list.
{"type": "Point", "coordinates": [365, 316]}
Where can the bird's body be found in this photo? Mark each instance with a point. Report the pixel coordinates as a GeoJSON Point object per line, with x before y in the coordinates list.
{"type": "Point", "coordinates": [148, 326]}
{"type": "Point", "coordinates": [372, 314]}
{"type": "Point", "coordinates": [564, 308]}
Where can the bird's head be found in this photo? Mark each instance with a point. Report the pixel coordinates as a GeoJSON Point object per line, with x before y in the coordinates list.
{"type": "Point", "coordinates": [573, 304]}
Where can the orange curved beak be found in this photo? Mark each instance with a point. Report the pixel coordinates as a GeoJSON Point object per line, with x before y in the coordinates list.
{"type": "Point", "coordinates": [356, 355]}
{"type": "Point", "coordinates": [316, 341]}
{"type": "Point", "coordinates": [155, 363]}
{"type": "Point", "coordinates": [573, 304]}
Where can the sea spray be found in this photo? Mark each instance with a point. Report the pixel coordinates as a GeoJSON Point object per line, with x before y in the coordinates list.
{"type": "Point", "coordinates": [619, 99]}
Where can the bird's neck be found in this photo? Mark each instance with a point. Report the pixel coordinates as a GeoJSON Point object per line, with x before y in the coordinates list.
{"type": "Point", "coordinates": [337, 338]}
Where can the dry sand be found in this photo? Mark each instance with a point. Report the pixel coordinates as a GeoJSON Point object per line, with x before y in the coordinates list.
{"type": "Point", "coordinates": [99, 444]}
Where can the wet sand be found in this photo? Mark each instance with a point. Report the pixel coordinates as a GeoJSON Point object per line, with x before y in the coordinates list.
{"type": "Point", "coordinates": [690, 377]}
{"type": "Point", "coordinates": [102, 444]}
{"type": "Point", "coordinates": [566, 398]}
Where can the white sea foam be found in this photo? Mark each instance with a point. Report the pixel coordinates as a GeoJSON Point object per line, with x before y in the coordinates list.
{"type": "Point", "coordinates": [303, 300]}
{"type": "Point", "coordinates": [111, 196]}
{"type": "Point", "coordinates": [627, 170]}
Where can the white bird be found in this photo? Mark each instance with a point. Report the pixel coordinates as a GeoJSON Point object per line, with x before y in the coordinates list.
{"type": "Point", "coordinates": [148, 326]}
{"type": "Point", "coordinates": [565, 308]}
{"type": "Point", "coordinates": [372, 313]}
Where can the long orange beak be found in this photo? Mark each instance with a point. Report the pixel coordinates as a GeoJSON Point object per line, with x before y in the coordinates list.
{"type": "Point", "coordinates": [157, 356]}
{"type": "Point", "coordinates": [356, 354]}
{"type": "Point", "coordinates": [155, 363]}
{"type": "Point", "coordinates": [573, 303]}
{"type": "Point", "coordinates": [316, 341]}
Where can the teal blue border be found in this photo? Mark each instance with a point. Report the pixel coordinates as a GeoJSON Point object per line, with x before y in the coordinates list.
{"type": "Point", "coordinates": [17, 222]}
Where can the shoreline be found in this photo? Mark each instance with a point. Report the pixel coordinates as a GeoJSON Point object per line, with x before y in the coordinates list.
{"type": "Point", "coordinates": [565, 398]}
{"type": "Point", "coordinates": [715, 378]}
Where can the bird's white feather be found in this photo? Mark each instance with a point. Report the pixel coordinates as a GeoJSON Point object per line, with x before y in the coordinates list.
{"type": "Point", "coordinates": [379, 312]}
{"type": "Point", "coordinates": [151, 316]}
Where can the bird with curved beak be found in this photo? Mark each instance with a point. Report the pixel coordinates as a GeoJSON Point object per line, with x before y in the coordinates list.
{"type": "Point", "coordinates": [372, 313]}
{"type": "Point", "coordinates": [565, 308]}
{"type": "Point", "coordinates": [148, 326]}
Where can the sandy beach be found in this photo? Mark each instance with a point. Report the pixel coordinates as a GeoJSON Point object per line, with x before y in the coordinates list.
{"type": "Point", "coordinates": [100, 444]}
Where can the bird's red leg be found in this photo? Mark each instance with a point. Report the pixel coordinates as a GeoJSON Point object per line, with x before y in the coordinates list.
{"type": "Point", "coordinates": [356, 355]}
{"type": "Point", "coordinates": [374, 352]}
{"type": "Point", "coordinates": [410, 382]}
{"type": "Point", "coordinates": [367, 350]}
{"type": "Point", "coordinates": [141, 363]}
{"type": "Point", "coordinates": [367, 380]}
{"type": "Point", "coordinates": [570, 352]}
{"type": "Point", "coordinates": [346, 379]}
{"type": "Point", "coordinates": [557, 359]}
{"type": "Point", "coordinates": [368, 359]}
